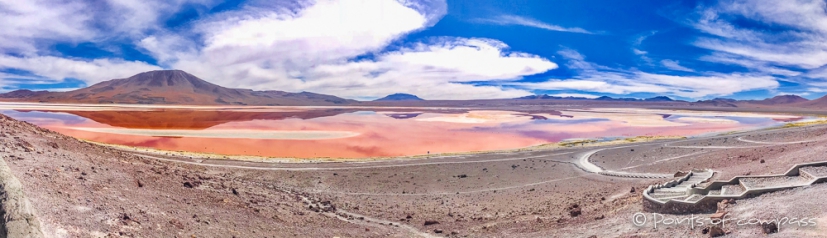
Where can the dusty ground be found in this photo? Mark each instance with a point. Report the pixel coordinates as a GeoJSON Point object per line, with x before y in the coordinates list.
{"type": "Point", "coordinates": [83, 190]}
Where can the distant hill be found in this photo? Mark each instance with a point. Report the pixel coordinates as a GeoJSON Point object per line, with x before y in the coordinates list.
{"type": "Point", "coordinates": [172, 87]}
{"type": "Point", "coordinates": [602, 98]}
{"type": "Point", "coordinates": [659, 99]}
{"type": "Point", "coordinates": [607, 98]}
{"type": "Point", "coordinates": [781, 100]}
{"type": "Point", "coordinates": [717, 102]}
{"type": "Point", "coordinates": [400, 97]}
{"type": "Point", "coordinates": [23, 93]}
{"type": "Point", "coordinates": [819, 103]}
{"type": "Point", "coordinates": [546, 96]}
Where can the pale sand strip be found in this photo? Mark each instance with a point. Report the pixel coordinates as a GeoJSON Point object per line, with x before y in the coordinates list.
{"type": "Point", "coordinates": [225, 134]}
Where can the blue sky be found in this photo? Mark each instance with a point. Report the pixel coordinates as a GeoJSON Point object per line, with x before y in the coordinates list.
{"type": "Point", "coordinates": [365, 49]}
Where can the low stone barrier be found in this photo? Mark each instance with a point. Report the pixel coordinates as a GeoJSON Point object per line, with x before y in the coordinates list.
{"type": "Point", "coordinates": [709, 202]}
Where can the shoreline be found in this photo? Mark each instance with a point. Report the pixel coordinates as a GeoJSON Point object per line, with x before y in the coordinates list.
{"type": "Point", "coordinates": [582, 143]}
{"type": "Point", "coordinates": [572, 143]}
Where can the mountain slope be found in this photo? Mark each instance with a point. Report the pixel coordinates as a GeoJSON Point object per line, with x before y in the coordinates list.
{"type": "Point", "coordinates": [23, 93]}
{"type": "Point", "coordinates": [173, 87]}
{"type": "Point", "coordinates": [781, 100]}
{"type": "Point", "coordinates": [819, 103]}
{"type": "Point", "coordinates": [717, 102]}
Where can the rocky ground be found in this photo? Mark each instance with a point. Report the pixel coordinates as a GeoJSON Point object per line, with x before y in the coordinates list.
{"type": "Point", "coordinates": [83, 190]}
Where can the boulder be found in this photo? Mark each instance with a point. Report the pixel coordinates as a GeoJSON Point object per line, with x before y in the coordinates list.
{"type": "Point", "coordinates": [769, 227]}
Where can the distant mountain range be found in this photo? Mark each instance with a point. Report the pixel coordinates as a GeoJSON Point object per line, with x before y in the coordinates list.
{"type": "Point", "coordinates": [791, 100]}
{"type": "Point", "coordinates": [172, 87]}
{"type": "Point", "coordinates": [603, 98]}
{"type": "Point", "coordinates": [781, 100]}
{"type": "Point", "coordinates": [182, 88]}
{"type": "Point", "coordinates": [400, 97]}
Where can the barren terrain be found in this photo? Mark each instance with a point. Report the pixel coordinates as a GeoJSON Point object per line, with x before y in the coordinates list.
{"type": "Point", "coordinates": [80, 190]}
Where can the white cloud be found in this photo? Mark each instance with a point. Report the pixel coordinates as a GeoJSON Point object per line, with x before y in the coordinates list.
{"type": "Point", "coordinates": [636, 45]}
{"type": "Point", "coordinates": [753, 65]}
{"type": "Point", "coordinates": [675, 65]}
{"type": "Point", "coordinates": [592, 77]}
{"type": "Point", "coordinates": [524, 21]}
{"type": "Point", "coordinates": [91, 71]}
{"type": "Point", "coordinates": [40, 20]}
{"type": "Point", "coordinates": [790, 34]}
{"type": "Point", "coordinates": [302, 46]}
{"type": "Point", "coordinates": [324, 32]}
{"type": "Point", "coordinates": [433, 70]}
{"type": "Point", "coordinates": [308, 50]}
{"type": "Point", "coordinates": [30, 28]}
{"type": "Point", "coordinates": [639, 52]}
{"type": "Point", "coordinates": [683, 86]}
{"type": "Point", "coordinates": [801, 94]}
{"type": "Point", "coordinates": [38, 23]}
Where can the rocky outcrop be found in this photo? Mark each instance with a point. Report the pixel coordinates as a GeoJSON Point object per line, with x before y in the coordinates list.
{"type": "Point", "coordinates": [19, 218]}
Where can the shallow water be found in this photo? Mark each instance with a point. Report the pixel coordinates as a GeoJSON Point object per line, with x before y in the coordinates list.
{"type": "Point", "coordinates": [359, 132]}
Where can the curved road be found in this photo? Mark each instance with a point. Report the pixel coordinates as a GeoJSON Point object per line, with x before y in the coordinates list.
{"type": "Point", "coordinates": [581, 160]}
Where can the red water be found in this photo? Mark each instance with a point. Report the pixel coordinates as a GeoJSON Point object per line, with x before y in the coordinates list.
{"type": "Point", "coordinates": [379, 135]}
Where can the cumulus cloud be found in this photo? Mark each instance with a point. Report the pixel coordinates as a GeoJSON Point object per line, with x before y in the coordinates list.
{"type": "Point", "coordinates": [308, 50]}
{"type": "Point", "coordinates": [524, 21]}
{"type": "Point", "coordinates": [323, 32]}
{"type": "Point", "coordinates": [435, 70]}
{"type": "Point", "coordinates": [325, 46]}
{"type": "Point", "coordinates": [355, 48]}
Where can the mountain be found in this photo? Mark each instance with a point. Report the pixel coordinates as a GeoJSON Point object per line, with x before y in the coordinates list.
{"type": "Point", "coordinates": [602, 98]}
{"type": "Point", "coordinates": [717, 102]}
{"type": "Point", "coordinates": [781, 100]}
{"type": "Point", "coordinates": [659, 99]}
{"type": "Point", "coordinates": [607, 98]}
{"type": "Point", "coordinates": [173, 87]}
{"type": "Point", "coordinates": [23, 93]}
{"type": "Point", "coordinates": [546, 96]}
{"type": "Point", "coordinates": [400, 97]}
{"type": "Point", "coordinates": [819, 103]}
{"type": "Point", "coordinates": [785, 100]}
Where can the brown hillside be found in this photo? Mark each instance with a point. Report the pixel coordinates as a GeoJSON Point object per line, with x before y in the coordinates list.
{"type": "Point", "coordinates": [173, 87]}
